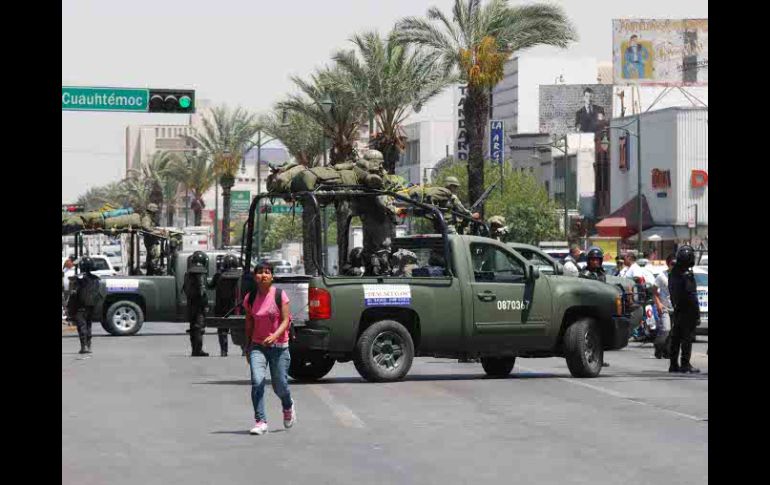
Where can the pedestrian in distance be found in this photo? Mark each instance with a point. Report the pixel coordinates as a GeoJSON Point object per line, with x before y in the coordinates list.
{"type": "Point", "coordinates": [267, 335]}
{"type": "Point", "coordinates": [225, 286]}
{"type": "Point", "coordinates": [87, 295]}
{"type": "Point", "coordinates": [571, 261]}
{"type": "Point", "coordinates": [194, 288]}
{"type": "Point", "coordinates": [684, 297]}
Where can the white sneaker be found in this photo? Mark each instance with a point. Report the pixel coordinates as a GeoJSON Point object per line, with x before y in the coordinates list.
{"type": "Point", "coordinates": [259, 428]}
{"type": "Point", "coordinates": [289, 417]}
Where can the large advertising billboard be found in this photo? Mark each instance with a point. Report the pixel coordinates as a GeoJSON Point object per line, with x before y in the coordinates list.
{"type": "Point", "coordinates": [574, 108]}
{"type": "Point", "coordinates": [660, 52]}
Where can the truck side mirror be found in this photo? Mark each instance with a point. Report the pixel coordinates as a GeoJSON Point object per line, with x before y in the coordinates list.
{"type": "Point", "coordinates": [534, 273]}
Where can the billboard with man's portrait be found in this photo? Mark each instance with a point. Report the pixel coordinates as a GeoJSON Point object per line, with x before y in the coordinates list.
{"type": "Point", "coordinates": [660, 52]}
{"type": "Point", "coordinates": [574, 108]}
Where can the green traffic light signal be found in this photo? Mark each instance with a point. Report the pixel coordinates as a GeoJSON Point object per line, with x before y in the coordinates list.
{"type": "Point", "coordinates": [171, 101]}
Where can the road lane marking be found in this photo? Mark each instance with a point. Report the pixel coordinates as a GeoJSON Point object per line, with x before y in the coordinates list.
{"type": "Point", "coordinates": [619, 395]}
{"type": "Point", "coordinates": [344, 414]}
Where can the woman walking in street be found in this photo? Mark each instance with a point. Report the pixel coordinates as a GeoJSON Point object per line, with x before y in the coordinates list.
{"type": "Point", "coordinates": [267, 329]}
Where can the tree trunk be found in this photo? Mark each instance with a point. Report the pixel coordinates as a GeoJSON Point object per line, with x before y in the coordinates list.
{"type": "Point", "coordinates": [476, 115]}
{"type": "Point", "coordinates": [390, 158]}
{"type": "Point", "coordinates": [169, 215]}
{"type": "Point", "coordinates": [342, 211]}
{"type": "Point", "coordinates": [197, 216]}
{"type": "Point", "coordinates": [226, 186]}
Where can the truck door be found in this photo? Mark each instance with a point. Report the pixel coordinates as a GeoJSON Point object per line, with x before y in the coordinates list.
{"type": "Point", "coordinates": [501, 300]}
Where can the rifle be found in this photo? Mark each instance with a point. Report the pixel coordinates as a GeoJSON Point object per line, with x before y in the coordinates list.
{"type": "Point", "coordinates": [477, 205]}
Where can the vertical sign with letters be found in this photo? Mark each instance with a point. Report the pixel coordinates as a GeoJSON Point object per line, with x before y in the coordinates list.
{"type": "Point", "coordinates": [496, 145]}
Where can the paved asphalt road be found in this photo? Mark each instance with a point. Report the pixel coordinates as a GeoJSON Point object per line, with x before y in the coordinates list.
{"type": "Point", "coordinates": [141, 411]}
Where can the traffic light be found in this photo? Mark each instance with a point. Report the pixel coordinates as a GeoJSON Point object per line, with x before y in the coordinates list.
{"type": "Point", "coordinates": [73, 208]}
{"type": "Point", "coordinates": [171, 101]}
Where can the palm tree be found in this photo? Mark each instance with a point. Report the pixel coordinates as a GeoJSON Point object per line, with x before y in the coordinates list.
{"type": "Point", "coordinates": [96, 197]}
{"type": "Point", "coordinates": [302, 137]}
{"type": "Point", "coordinates": [138, 193]}
{"type": "Point", "coordinates": [344, 118]}
{"type": "Point", "coordinates": [388, 77]}
{"type": "Point", "coordinates": [197, 176]}
{"type": "Point", "coordinates": [477, 42]}
{"type": "Point", "coordinates": [226, 137]}
{"type": "Point", "coordinates": [163, 188]}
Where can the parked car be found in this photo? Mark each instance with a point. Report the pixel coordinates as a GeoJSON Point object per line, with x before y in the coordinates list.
{"type": "Point", "coordinates": [702, 282]}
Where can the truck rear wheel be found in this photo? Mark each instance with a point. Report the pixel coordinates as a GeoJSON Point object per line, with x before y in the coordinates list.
{"type": "Point", "coordinates": [309, 367]}
{"type": "Point", "coordinates": [384, 352]}
{"type": "Point", "coordinates": [583, 348]}
{"type": "Point", "coordinates": [123, 318]}
{"type": "Point", "coordinates": [498, 366]}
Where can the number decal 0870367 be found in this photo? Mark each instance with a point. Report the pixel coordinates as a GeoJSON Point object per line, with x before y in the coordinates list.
{"type": "Point", "coordinates": [512, 304]}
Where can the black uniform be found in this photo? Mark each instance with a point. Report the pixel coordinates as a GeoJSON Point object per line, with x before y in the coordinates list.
{"type": "Point", "coordinates": [197, 303]}
{"type": "Point", "coordinates": [595, 274]}
{"type": "Point", "coordinates": [684, 298]}
{"type": "Point", "coordinates": [87, 295]}
{"type": "Point", "coordinates": [225, 284]}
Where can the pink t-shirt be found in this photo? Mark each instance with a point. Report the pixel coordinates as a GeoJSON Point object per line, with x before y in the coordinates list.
{"type": "Point", "coordinates": [266, 316]}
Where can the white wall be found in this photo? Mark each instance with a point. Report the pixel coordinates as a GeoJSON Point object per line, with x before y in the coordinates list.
{"type": "Point", "coordinates": [674, 139]}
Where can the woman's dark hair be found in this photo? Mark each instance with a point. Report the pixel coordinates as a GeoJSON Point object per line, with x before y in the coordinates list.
{"type": "Point", "coordinates": [670, 258]}
{"type": "Point", "coordinates": [262, 266]}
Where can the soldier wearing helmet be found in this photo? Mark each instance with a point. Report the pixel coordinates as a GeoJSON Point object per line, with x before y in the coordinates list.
{"type": "Point", "coordinates": [684, 298]}
{"type": "Point", "coordinates": [225, 284]}
{"type": "Point", "coordinates": [453, 185]}
{"type": "Point", "coordinates": [594, 269]}
{"type": "Point", "coordinates": [197, 300]}
{"type": "Point", "coordinates": [497, 229]}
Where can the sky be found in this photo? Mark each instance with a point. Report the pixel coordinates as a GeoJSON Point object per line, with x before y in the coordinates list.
{"type": "Point", "coordinates": [240, 52]}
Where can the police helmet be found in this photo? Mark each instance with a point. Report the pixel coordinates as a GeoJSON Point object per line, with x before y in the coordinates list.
{"type": "Point", "coordinates": [685, 256]}
{"type": "Point", "coordinates": [595, 253]}
{"type": "Point", "coordinates": [230, 261]}
{"type": "Point", "coordinates": [198, 262]}
{"type": "Point", "coordinates": [451, 181]}
{"type": "Point", "coordinates": [86, 264]}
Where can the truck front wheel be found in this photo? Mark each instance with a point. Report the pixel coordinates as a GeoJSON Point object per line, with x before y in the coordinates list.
{"type": "Point", "coordinates": [583, 348]}
{"type": "Point", "coordinates": [498, 366]}
{"type": "Point", "coordinates": [384, 352]}
{"type": "Point", "coordinates": [123, 318]}
{"type": "Point", "coordinates": [309, 367]}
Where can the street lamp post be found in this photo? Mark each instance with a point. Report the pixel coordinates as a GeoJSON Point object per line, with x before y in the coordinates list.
{"type": "Point", "coordinates": [638, 136]}
{"type": "Point", "coordinates": [326, 104]}
{"type": "Point", "coordinates": [565, 151]}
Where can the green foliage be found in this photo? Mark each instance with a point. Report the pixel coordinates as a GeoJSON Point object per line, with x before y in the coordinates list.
{"type": "Point", "coordinates": [277, 229]}
{"type": "Point", "coordinates": [529, 214]}
{"type": "Point", "coordinates": [301, 135]}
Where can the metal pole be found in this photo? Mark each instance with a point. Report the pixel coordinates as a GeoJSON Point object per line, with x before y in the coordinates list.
{"type": "Point", "coordinates": [324, 230]}
{"type": "Point", "coordinates": [216, 214]}
{"type": "Point", "coordinates": [639, 176]}
{"type": "Point", "coordinates": [186, 206]}
{"type": "Point", "coordinates": [259, 162]}
{"type": "Point", "coordinates": [566, 179]}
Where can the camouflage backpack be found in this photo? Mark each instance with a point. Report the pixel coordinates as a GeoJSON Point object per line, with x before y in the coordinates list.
{"type": "Point", "coordinates": [280, 181]}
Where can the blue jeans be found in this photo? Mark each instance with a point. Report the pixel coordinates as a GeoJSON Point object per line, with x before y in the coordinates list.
{"type": "Point", "coordinates": [279, 359]}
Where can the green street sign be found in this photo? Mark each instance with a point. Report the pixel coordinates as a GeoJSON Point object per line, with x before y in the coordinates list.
{"type": "Point", "coordinates": [104, 99]}
{"type": "Point", "coordinates": [240, 200]}
{"type": "Point", "coordinates": [280, 209]}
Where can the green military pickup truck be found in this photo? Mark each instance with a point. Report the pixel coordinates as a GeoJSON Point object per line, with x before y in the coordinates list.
{"type": "Point", "coordinates": [487, 301]}
{"type": "Point", "coordinates": [132, 300]}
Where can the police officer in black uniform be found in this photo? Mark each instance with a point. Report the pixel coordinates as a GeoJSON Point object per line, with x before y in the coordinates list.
{"type": "Point", "coordinates": [88, 294]}
{"type": "Point", "coordinates": [684, 298]}
{"type": "Point", "coordinates": [195, 288]}
{"type": "Point", "coordinates": [225, 284]}
{"type": "Point", "coordinates": [594, 269]}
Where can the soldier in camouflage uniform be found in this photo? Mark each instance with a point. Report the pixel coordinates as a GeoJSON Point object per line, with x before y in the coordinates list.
{"type": "Point", "coordinates": [455, 204]}
{"type": "Point", "coordinates": [497, 229]}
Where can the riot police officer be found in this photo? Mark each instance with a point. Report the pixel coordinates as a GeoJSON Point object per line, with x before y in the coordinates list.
{"type": "Point", "coordinates": [195, 288]}
{"type": "Point", "coordinates": [225, 284]}
{"type": "Point", "coordinates": [594, 269]}
{"type": "Point", "coordinates": [88, 294]}
{"type": "Point", "coordinates": [684, 298]}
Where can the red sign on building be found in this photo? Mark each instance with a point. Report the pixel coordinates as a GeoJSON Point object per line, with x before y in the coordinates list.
{"type": "Point", "coordinates": [661, 179]}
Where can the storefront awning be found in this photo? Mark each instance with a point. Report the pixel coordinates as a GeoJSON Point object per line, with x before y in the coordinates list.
{"type": "Point", "coordinates": [624, 222]}
{"type": "Point", "coordinates": [664, 233]}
